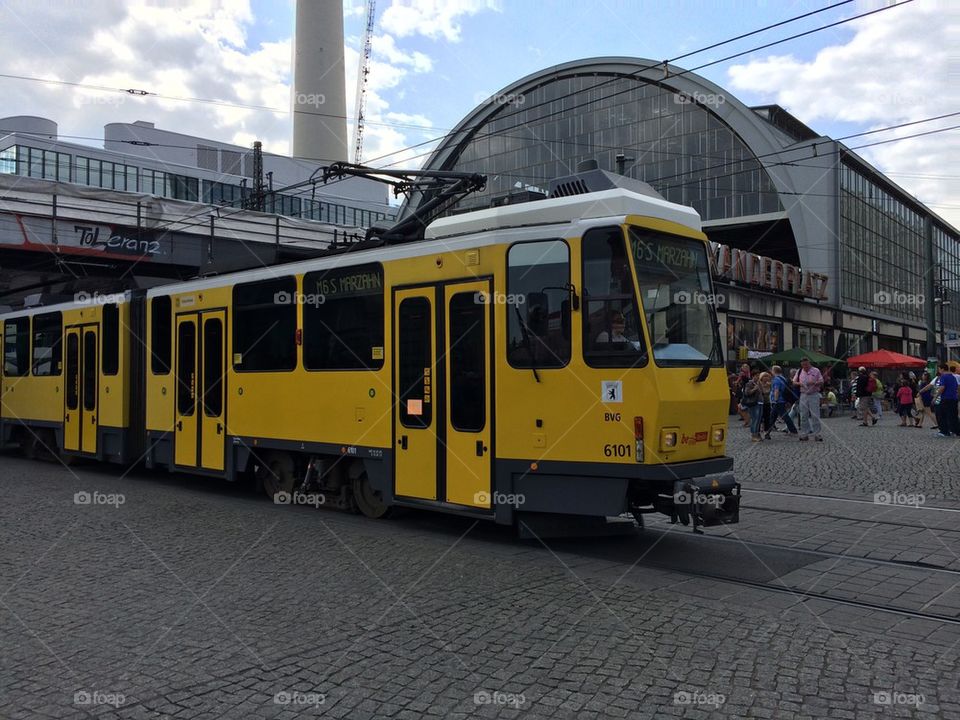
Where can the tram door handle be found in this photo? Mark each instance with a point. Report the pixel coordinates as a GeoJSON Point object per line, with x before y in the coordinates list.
{"type": "Point", "coordinates": [219, 429]}
{"type": "Point", "coordinates": [481, 448]}
{"type": "Point", "coordinates": [403, 442]}
{"type": "Point", "coordinates": [179, 424]}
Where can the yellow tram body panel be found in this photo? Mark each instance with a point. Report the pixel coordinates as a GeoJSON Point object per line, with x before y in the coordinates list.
{"type": "Point", "coordinates": [80, 383]}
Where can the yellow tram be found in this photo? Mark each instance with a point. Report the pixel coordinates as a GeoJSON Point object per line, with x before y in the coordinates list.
{"type": "Point", "coordinates": [557, 356]}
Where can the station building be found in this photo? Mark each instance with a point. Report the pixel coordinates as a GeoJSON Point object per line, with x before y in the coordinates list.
{"type": "Point", "coordinates": [152, 206]}
{"type": "Point", "coordinates": [813, 247]}
{"type": "Point", "coordinates": [139, 157]}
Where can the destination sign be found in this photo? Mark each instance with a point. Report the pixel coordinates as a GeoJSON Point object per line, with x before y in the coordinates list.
{"type": "Point", "coordinates": [353, 283]}
{"type": "Point", "coordinates": [682, 257]}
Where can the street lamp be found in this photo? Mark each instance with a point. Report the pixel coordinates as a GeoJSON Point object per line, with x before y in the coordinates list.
{"type": "Point", "coordinates": [942, 302]}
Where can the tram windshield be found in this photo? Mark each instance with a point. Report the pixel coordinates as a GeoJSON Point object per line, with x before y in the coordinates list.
{"type": "Point", "coordinates": [674, 280]}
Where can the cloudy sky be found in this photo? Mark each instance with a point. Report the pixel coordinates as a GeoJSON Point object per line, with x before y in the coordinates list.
{"type": "Point", "coordinates": [434, 60]}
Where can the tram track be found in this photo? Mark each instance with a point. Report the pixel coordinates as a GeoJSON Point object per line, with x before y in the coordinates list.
{"type": "Point", "coordinates": [812, 595]}
{"type": "Point", "coordinates": [814, 496]}
{"type": "Point", "coordinates": [852, 518]}
{"type": "Point", "coordinates": [826, 555]}
{"type": "Point", "coordinates": [771, 555]}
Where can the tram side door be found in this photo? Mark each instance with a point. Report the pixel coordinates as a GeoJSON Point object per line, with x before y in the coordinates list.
{"type": "Point", "coordinates": [71, 400]}
{"type": "Point", "coordinates": [185, 400]}
{"type": "Point", "coordinates": [468, 381]}
{"type": "Point", "coordinates": [89, 389]}
{"type": "Point", "coordinates": [415, 411]}
{"type": "Point", "coordinates": [212, 369]}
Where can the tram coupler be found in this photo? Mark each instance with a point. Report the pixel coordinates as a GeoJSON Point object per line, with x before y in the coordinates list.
{"type": "Point", "coordinates": [706, 501]}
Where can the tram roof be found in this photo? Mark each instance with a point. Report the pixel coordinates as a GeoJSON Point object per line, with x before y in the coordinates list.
{"type": "Point", "coordinates": [616, 202]}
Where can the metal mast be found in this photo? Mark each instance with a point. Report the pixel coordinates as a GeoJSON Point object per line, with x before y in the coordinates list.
{"type": "Point", "coordinates": [362, 74]}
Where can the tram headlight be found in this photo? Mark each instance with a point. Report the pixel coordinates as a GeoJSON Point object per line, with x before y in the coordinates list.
{"type": "Point", "coordinates": [718, 433]}
{"type": "Point", "coordinates": [668, 439]}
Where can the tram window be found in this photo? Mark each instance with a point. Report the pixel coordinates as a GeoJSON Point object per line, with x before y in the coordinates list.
{"type": "Point", "coordinates": [73, 371]}
{"type": "Point", "coordinates": [213, 368]}
{"type": "Point", "coordinates": [612, 331]}
{"type": "Point", "coordinates": [538, 319]}
{"type": "Point", "coordinates": [160, 335]}
{"type": "Point", "coordinates": [47, 332]}
{"type": "Point", "coordinates": [110, 337]}
{"type": "Point", "coordinates": [265, 325]}
{"type": "Point", "coordinates": [343, 318]}
{"type": "Point", "coordinates": [16, 347]}
{"type": "Point", "coordinates": [186, 367]}
{"type": "Point", "coordinates": [415, 357]}
{"type": "Point", "coordinates": [89, 370]}
{"type": "Point", "coordinates": [468, 354]}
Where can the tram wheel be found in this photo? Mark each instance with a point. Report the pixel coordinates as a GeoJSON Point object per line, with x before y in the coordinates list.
{"type": "Point", "coordinates": [275, 473]}
{"type": "Point", "coordinates": [368, 499]}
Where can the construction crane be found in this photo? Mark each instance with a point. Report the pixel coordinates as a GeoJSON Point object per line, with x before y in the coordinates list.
{"type": "Point", "coordinates": [362, 74]}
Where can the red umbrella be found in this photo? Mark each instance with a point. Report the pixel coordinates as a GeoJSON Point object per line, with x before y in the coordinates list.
{"type": "Point", "coordinates": [882, 359]}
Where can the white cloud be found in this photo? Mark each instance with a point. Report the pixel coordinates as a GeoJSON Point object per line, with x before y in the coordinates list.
{"type": "Point", "coordinates": [431, 18]}
{"type": "Point", "coordinates": [199, 49]}
{"type": "Point", "coordinates": [896, 68]}
{"type": "Point", "coordinates": [386, 46]}
{"type": "Point", "coordinates": [183, 49]}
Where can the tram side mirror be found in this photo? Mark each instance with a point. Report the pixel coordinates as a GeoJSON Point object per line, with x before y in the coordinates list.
{"type": "Point", "coordinates": [538, 312]}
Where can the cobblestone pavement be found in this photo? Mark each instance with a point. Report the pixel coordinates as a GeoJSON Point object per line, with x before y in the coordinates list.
{"type": "Point", "coordinates": [196, 599]}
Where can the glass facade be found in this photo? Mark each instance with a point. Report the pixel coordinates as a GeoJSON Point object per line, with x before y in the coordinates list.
{"type": "Point", "coordinates": [813, 338]}
{"type": "Point", "coordinates": [748, 339]}
{"type": "Point", "coordinates": [52, 165]}
{"type": "Point", "coordinates": [946, 278]}
{"type": "Point", "coordinates": [882, 249]}
{"type": "Point", "coordinates": [671, 141]}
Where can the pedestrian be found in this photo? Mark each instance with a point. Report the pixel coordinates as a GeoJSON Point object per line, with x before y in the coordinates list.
{"type": "Point", "coordinates": [904, 401]}
{"type": "Point", "coordinates": [743, 378]}
{"type": "Point", "coordinates": [793, 409]}
{"type": "Point", "coordinates": [766, 419]}
{"type": "Point", "coordinates": [809, 383]}
{"type": "Point", "coordinates": [854, 400]}
{"type": "Point", "coordinates": [925, 393]}
{"type": "Point", "coordinates": [831, 403]}
{"type": "Point", "coordinates": [877, 404]}
{"type": "Point", "coordinates": [753, 404]}
{"type": "Point", "coordinates": [866, 385]}
{"type": "Point", "coordinates": [947, 393]}
{"type": "Point", "coordinates": [778, 404]}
